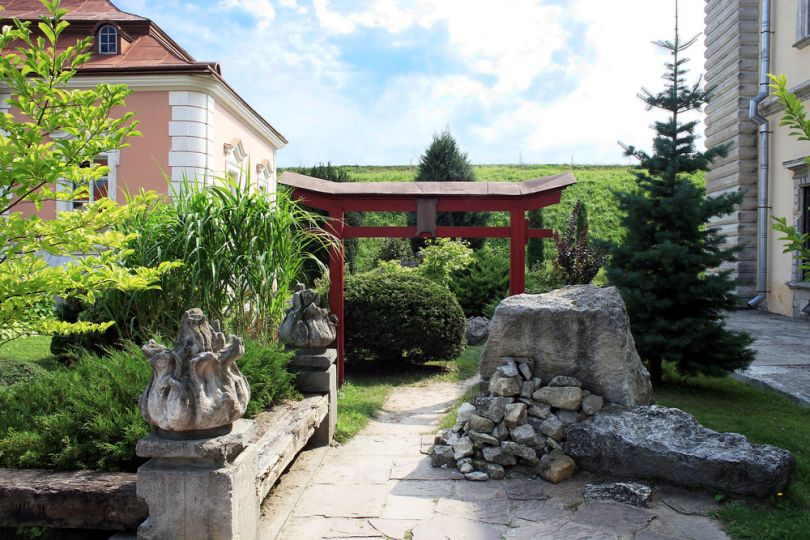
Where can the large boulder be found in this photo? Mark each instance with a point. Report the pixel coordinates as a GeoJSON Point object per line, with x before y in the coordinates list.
{"type": "Point", "coordinates": [581, 331]}
{"type": "Point", "coordinates": [669, 444]}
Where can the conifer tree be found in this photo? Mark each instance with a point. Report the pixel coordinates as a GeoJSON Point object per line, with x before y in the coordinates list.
{"type": "Point", "coordinates": [666, 269]}
{"type": "Point", "coordinates": [444, 161]}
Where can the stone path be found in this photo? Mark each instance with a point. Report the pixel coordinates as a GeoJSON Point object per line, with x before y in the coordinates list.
{"type": "Point", "coordinates": [783, 352]}
{"type": "Point", "coordinates": [381, 485]}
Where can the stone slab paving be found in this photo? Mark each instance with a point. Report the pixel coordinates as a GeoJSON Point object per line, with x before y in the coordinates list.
{"type": "Point", "coordinates": [381, 485]}
{"type": "Point", "coordinates": [783, 354]}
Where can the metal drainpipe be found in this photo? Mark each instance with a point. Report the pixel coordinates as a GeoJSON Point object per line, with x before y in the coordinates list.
{"type": "Point", "coordinates": [762, 184]}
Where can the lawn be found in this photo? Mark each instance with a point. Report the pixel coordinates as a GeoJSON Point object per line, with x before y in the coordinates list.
{"type": "Point", "coordinates": [764, 417]}
{"type": "Point", "coordinates": [24, 358]}
{"type": "Point", "coordinates": [364, 393]}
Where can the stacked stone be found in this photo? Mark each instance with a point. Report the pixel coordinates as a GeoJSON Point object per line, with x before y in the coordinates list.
{"type": "Point", "coordinates": [520, 423]}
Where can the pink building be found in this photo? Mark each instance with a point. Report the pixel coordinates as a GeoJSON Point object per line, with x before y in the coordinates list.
{"type": "Point", "coordinates": [193, 123]}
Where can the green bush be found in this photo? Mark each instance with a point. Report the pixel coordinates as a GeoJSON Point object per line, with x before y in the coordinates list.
{"type": "Point", "coordinates": [87, 416]}
{"type": "Point", "coordinates": [391, 317]}
{"type": "Point", "coordinates": [482, 283]}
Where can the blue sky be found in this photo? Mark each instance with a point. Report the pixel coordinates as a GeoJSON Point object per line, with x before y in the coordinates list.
{"type": "Point", "coordinates": [369, 82]}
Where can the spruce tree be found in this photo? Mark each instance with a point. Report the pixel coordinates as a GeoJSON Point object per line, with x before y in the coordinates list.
{"type": "Point", "coordinates": [444, 161]}
{"type": "Point", "coordinates": [667, 267]}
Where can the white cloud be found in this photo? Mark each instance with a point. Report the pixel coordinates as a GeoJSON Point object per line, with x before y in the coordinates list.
{"type": "Point", "coordinates": [262, 10]}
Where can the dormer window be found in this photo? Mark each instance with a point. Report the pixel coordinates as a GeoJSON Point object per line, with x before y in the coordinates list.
{"type": "Point", "coordinates": [108, 39]}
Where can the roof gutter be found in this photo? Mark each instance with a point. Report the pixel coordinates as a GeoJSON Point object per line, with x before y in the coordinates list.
{"type": "Point", "coordinates": [764, 162]}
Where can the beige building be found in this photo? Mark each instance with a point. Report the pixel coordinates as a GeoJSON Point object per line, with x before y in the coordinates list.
{"type": "Point", "coordinates": [194, 124]}
{"type": "Point", "coordinates": [746, 39]}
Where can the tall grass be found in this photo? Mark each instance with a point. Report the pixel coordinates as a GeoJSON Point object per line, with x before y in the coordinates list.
{"type": "Point", "coordinates": [241, 252]}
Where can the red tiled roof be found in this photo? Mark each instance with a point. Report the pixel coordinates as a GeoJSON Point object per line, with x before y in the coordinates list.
{"type": "Point", "coordinates": [87, 10]}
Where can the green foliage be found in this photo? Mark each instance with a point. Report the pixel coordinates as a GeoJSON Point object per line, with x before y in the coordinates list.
{"type": "Point", "coordinates": [664, 268]}
{"type": "Point", "coordinates": [242, 252]}
{"type": "Point", "coordinates": [400, 317]}
{"type": "Point", "coordinates": [766, 418]}
{"type": "Point", "coordinates": [795, 117]}
{"type": "Point", "coordinates": [543, 278]}
{"type": "Point", "coordinates": [444, 161]}
{"type": "Point", "coordinates": [47, 152]}
{"type": "Point", "coordinates": [353, 219]}
{"type": "Point", "coordinates": [485, 281]}
{"type": "Point", "coordinates": [576, 260]}
{"type": "Point", "coordinates": [442, 257]}
{"type": "Point", "coordinates": [535, 250]}
{"type": "Point", "coordinates": [393, 249]}
{"type": "Point", "coordinates": [87, 416]}
{"type": "Point", "coordinates": [25, 358]}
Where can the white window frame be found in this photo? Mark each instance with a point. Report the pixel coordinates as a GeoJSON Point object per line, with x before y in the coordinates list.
{"type": "Point", "coordinates": [235, 157]}
{"type": "Point", "coordinates": [802, 24]}
{"type": "Point", "coordinates": [263, 176]}
{"type": "Point", "coordinates": [104, 41]}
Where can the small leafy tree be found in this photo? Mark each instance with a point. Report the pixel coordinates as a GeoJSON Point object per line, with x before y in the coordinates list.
{"type": "Point", "coordinates": [439, 259]}
{"type": "Point", "coordinates": [47, 152]}
{"type": "Point", "coordinates": [795, 118]}
{"type": "Point", "coordinates": [665, 267]}
{"type": "Point", "coordinates": [576, 261]}
{"type": "Point", "coordinates": [444, 161]}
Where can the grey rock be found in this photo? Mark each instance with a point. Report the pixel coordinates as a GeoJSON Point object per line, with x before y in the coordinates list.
{"type": "Point", "coordinates": [552, 444]}
{"type": "Point", "coordinates": [495, 454]}
{"type": "Point", "coordinates": [465, 465]}
{"type": "Point", "coordinates": [491, 407]}
{"type": "Point", "coordinates": [519, 450]}
{"type": "Point", "coordinates": [525, 370]}
{"type": "Point", "coordinates": [564, 380]}
{"type": "Point", "coordinates": [477, 330]}
{"type": "Point", "coordinates": [508, 368]}
{"type": "Point", "coordinates": [196, 387]}
{"type": "Point", "coordinates": [462, 448]}
{"type": "Point", "coordinates": [523, 434]}
{"type": "Point", "coordinates": [515, 414]}
{"type": "Point", "coordinates": [481, 424]}
{"type": "Point", "coordinates": [446, 437]}
{"type": "Point", "coordinates": [442, 456]}
{"type": "Point", "coordinates": [527, 389]}
{"type": "Point", "coordinates": [477, 476]}
{"type": "Point", "coordinates": [464, 412]}
{"type": "Point", "coordinates": [556, 467]}
{"type": "Point", "coordinates": [503, 385]}
{"type": "Point", "coordinates": [539, 441]}
{"type": "Point", "coordinates": [539, 410]}
{"type": "Point", "coordinates": [306, 325]}
{"type": "Point", "coordinates": [482, 439]}
{"type": "Point", "coordinates": [495, 471]}
{"type": "Point", "coordinates": [568, 417]}
{"type": "Point", "coordinates": [538, 383]}
{"type": "Point", "coordinates": [582, 331]}
{"type": "Point", "coordinates": [501, 432]}
{"type": "Point", "coordinates": [592, 404]}
{"type": "Point", "coordinates": [552, 427]}
{"type": "Point", "coordinates": [630, 493]}
{"type": "Point", "coordinates": [562, 397]}
{"type": "Point", "coordinates": [669, 444]}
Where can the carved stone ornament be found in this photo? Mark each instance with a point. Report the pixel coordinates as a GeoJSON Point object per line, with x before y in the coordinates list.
{"type": "Point", "coordinates": [196, 389]}
{"type": "Point", "coordinates": [305, 325]}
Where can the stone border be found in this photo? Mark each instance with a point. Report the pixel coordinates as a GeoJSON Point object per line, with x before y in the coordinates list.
{"type": "Point", "coordinates": [97, 500]}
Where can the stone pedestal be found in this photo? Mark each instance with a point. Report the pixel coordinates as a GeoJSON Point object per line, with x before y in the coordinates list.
{"type": "Point", "coordinates": [317, 374]}
{"type": "Point", "coordinates": [202, 488]}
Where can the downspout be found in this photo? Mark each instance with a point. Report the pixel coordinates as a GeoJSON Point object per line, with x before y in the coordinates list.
{"type": "Point", "coordinates": [762, 184]}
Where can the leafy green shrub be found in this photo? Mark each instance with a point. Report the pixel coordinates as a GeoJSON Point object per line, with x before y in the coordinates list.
{"type": "Point", "coordinates": [242, 251]}
{"type": "Point", "coordinates": [87, 416]}
{"type": "Point", "coordinates": [391, 317]}
{"type": "Point", "coordinates": [577, 260]}
{"type": "Point", "coordinates": [485, 281]}
{"type": "Point", "coordinates": [393, 249]}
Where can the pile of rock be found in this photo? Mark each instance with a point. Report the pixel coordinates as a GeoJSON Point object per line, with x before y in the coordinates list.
{"type": "Point", "coordinates": [520, 423]}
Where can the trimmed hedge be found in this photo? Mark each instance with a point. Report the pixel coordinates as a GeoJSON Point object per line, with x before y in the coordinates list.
{"type": "Point", "coordinates": [87, 416]}
{"type": "Point", "coordinates": [395, 317]}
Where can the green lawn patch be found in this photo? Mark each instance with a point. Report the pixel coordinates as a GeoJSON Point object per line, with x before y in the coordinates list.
{"type": "Point", "coordinates": [364, 393]}
{"type": "Point", "coordinates": [764, 417]}
{"type": "Point", "coordinates": [24, 358]}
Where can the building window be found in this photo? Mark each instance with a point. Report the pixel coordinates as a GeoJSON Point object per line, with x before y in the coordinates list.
{"type": "Point", "coordinates": [802, 24]}
{"type": "Point", "coordinates": [235, 157]}
{"type": "Point", "coordinates": [108, 39]}
{"type": "Point", "coordinates": [99, 188]}
{"type": "Point", "coordinates": [804, 222]}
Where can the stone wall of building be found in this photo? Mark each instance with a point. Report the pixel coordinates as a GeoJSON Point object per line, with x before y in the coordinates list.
{"type": "Point", "coordinates": [732, 63]}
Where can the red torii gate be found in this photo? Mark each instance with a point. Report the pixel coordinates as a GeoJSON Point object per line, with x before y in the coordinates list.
{"type": "Point", "coordinates": [426, 199]}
